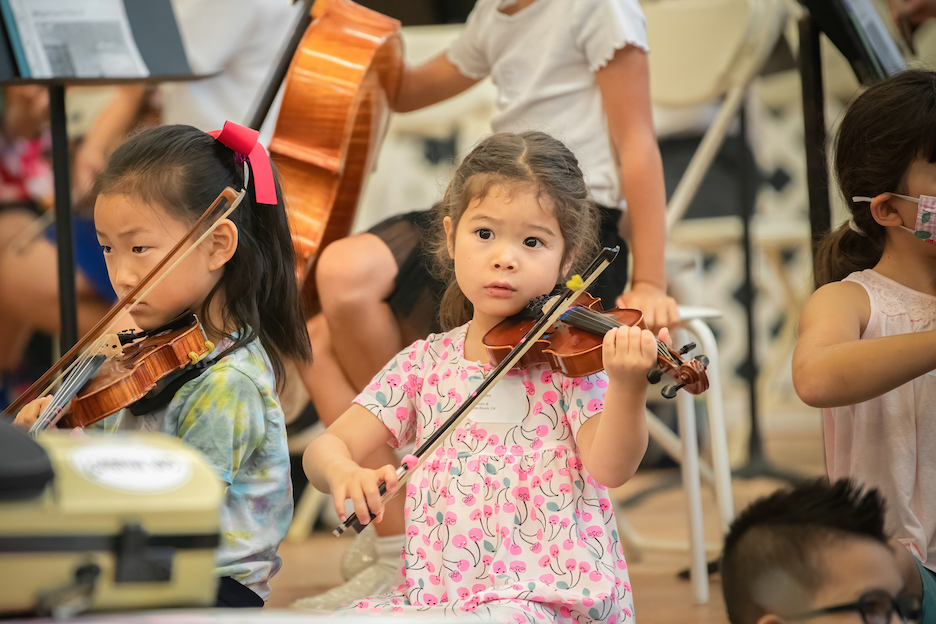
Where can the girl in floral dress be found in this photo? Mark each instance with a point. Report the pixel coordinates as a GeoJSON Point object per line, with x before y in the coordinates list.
{"type": "Point", "coordinates": [510, 519]}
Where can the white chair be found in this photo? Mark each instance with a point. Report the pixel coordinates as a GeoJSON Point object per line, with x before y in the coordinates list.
{"type": "Point", "coordinates": [702, 50]}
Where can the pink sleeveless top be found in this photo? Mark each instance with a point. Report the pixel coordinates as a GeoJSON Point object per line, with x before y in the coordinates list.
{"type": "Point", "coordinates": [889, 442]}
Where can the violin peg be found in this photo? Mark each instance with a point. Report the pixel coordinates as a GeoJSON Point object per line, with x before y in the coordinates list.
{"type": "Point", "coordinates": [687, 348]}
{"type": "Point", "coordinates": [702, 359]}
{"type": "Point", "coordinates": [655, 376]}
{"type": "Point", "coordinates": [669, 392]}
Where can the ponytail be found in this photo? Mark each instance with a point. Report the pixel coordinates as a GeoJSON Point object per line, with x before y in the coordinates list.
{"type": "Point", "coordinates": [844, 251]}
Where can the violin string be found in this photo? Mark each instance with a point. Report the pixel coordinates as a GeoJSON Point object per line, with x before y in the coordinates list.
{"type": "Point", "coordinates": [78, 370]}
{"type": "Point", "coordinates": [590, 320]}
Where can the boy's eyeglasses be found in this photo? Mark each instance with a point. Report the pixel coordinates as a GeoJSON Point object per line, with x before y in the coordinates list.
{"type": "Point", "coordinates": [876, 607]}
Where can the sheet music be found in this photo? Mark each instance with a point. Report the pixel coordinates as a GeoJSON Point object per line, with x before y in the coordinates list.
{"type": "Point", "coordinates": [870, 27]}
{"type": "Point", "coordinates": [86, 39]}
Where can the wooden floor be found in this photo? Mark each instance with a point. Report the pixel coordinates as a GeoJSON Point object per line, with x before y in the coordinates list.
{"type": "Point", "coordinates": [653, 503]}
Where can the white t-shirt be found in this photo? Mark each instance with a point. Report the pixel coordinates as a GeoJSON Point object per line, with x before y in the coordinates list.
{"type": "Point", "coordinates": [888, 442]}
{"type": "Point", "coordinates": [241, 39]}
{"type": "Point", "coordinates": [543, 60]}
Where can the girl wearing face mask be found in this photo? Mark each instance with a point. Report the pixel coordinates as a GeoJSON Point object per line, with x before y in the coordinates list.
{"type": "Point", "coordinates": [867, 337]}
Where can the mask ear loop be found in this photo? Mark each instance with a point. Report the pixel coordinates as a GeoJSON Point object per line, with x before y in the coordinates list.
{"type": "Point", "coordinates": [862, 198]}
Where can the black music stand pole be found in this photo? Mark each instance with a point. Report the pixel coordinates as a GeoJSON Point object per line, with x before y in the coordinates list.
{"type": "Point", "coordinates": [68, 306]}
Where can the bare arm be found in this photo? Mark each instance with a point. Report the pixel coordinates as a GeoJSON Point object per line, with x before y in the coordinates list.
{"type": "Point", "coordinates": [429, 83]}
{"type": "Point", "coordinates": [832, 366]}
{"type": "Point", "coordinates": [612, 443]}
{"type": "Point", "coordinates": [625, 93]}
{"type": "Point", "coordinates": [331, 462]}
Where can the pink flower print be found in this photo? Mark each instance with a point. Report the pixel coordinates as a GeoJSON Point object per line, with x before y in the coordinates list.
{"type": "Point", "coordinates": [565, 612]}
{"type": "Point", "coordinates": [576, 382]}
{"type": "Point", "coordinates": [479, 434]}
{"type": "Point", "coordinates": [553, 551]}
{"type": "Point", "coordinates": [537, 408]}
{"type": "Point", "coordinates": [495, 484]}
{"type": "Point", "coordinates": [504, 531]}
{"type": "Point", "coordinates": [564, 421]}
{"type": "Point", "coordinates": [604, 504]}
{"type": "Point", "coordinates": [463, 374]}
{"type": "Point", "coordinates": [548, 475]}
{"type": "Point", "coordinates": [488, 511]}
{"type": "Point", "coordinates": [595, 405]}
{"type": "Point", "coordinates": [587, 385]}
{"type": "Point", "coordinates": [469, 499]}
{"type": "Point", "coordinates": [476, 535]}
{"type": "Point", "coordinates": [407, 366]}
{"type": "Point", "coordinates": [544, 561]}
{"type": "Point", "coordinates": [536, 548]}
{"type": "Point", "coordinates": [568, 544]}
{"type": "Point", "coordinates": [412, 531]}
{"type": "Point", "coordinates": [571, 564]}
{"type": "Point", "coordinates": [362, 605]}
{"type": "Point", "coordinates": [535, 482]}
{"type": "Point", "coordinates": [539, 500]}
{"type": "Point", "coordinates": [475, 514]}
{"type": "Point", "coordinates": [478, 587]}
{"type": "Point", "coordinates": [454, 395]}
{"type": "Point", "coordinates": [500, 451]}
{"type": "Point", "coordinates": [430, 399]}
{"type": "Point", "coordinates": [437, 545]}
{"type": "Point", "coordinates": [517, 567]}
{"type": "Point", "coordinates": [546, 377]}
{"type": "Point", "coordinates": [473, 465]}
{"type": "Point", "coordinates": [542, 430]}
{"type": "Point", "coordinates": [428, 598]}
{"type": "Point", "coordinates": [450, 518]}
{"type": "Point", "coordinates": [459, 541]}
{"type": "Point", "coordinates": [564, 471]}
{"type": "Point", "coordinates": [460, 435]}
{"type": "Point", "coordinates": [565, 523]}
{"type": "Point", "coordinates": [595, 576]}
{"type": "Point", "coordinates": [517, 450]}
{"type": "Point", "coordinates": [515, 549]}
{"type": "Point", "coordinates": [436, 423]}
{"type": "Point", "coordinates": [448, 371]}
{"type": "Point", "coordinates": [565, 488]}
{"type": "Point", "coordinates": [550, 398]}
{"type": "Point", "coordinates": [420, 553]}
{"type": "Point", "coordinates": [411, 490]}
{"type": "Point", "coordinates": [621, 564]}
{"type": "Point", "coordinates": [486, 560]}
{"type": "Point", "coordinates": [537, 443]}
{"type": "Point", "coordinates": [463, 565]}
{"type": "Point", "coordinates": [547, 578]}
{"type": "Point", "coordinates": [625, 585]}
{"type": "Point", "coordinates": [435, 579]}
{"type": "Point", "coordinates": [455, 575]}
{"type": "Point", "coordinates": [430, 567]}
{"type": "Point", "coordinates": [493, 439]}
{"type": "Point", "coordinates": [553, 520]}
{"type": "Point", "coordinates": [410, 582]}
{"type": "Point", "coordinates": [530, 388]}
{"type": "Point", "coordinates": [375, 385]}
{"type": "Point", "coordinates": [522, 493]}
{"type": "Point", "coordinates": [393, 380]}
{"type": "Point", "coordinates": [584, 567]}
{"type": "Point", "coordinates": [509, 507]}
{"type": "Point", "coordinates": [475, 488]}
{"type": "Point", "coordinates": [586, 516]}
{"type": "Point", "coordinates": [595, 531]}
{"type": "Point", "coordinates": [601, 382]}
{"type": "Point", "coordinates": [402, 414]}
{"type": "Point", "coordinates": [432, 379]}
{"type": "Point", "coordinates": [463, 592]}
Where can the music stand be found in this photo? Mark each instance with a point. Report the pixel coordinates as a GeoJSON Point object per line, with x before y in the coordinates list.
{"type": "Point", "coordinates": [157, 37]}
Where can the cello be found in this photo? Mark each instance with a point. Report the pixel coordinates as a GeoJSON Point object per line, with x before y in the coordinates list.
{"type": "Point", "coordinates": [337, 92]}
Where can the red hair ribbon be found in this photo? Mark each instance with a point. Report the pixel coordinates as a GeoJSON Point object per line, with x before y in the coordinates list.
{"type": "Point", "coordinates": [244, 143]}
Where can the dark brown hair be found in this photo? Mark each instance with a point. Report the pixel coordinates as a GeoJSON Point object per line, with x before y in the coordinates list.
{"type": "Point", "coordinates": [518, 161]}
{"type": "Point", "coordinates": [889, 126]}
{"type": "Point", "coordinates": [780, 538]}
{"type": "Point", "coordinates": [182, 170]}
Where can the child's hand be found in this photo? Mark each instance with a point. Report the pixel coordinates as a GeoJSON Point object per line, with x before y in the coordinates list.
{"type": "Point", "coordinates": [629, 353]}
{"type": "Point", "coordinates": [361, 485]}
{"type": "Point", "coordinates": [30, 412]}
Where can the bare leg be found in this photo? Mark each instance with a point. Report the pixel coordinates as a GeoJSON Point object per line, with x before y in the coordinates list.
{"type": "Point", "coordinates": [355, 277]}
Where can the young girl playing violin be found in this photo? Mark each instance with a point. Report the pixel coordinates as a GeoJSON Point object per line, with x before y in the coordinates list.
{"type": "Point", "coordinates": [511, 518]}
{"type": "Point", "coordinates": [867, 338]}
{"type": "Point", "coordinates": [240, 281]}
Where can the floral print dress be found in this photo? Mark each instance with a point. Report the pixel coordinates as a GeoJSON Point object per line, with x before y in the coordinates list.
{"type": "Point", "coordinates": [503, 522]}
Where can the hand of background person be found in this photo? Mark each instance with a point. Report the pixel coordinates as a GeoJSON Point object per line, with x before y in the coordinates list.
{"type": "Point", "coordinates": [659, 309]}
{"type": "Point", "coordinates": [917, 11]}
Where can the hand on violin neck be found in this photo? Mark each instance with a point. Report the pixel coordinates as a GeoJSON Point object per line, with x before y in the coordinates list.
{"type": "Point", "coordinates": [629, 353]}
{"type": "Point", "coordinates": [30, 412]}
{"type": "Point", "coordinates": [659, 309]}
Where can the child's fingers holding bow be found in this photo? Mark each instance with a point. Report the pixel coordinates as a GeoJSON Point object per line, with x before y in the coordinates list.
{"type": "Point", "coordinates": [629, 353]}
{"type": "Point", "coordinates": [31, 411]}
{"type": "Point", "coordinates": [362, 486]}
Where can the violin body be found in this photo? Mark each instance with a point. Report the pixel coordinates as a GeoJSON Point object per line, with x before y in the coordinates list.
{"type": "Point", "coordinates": [334, 114]}
{"type": "Point", "coordinates": [576, 350]}
{"type": "Point", "coordinates": [124, 380]}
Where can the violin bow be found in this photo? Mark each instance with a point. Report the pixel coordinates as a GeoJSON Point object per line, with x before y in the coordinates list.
{"type": "Point", "coordinates": [574, 287]}
{"type": "Point", "coordinates": [119, 310]}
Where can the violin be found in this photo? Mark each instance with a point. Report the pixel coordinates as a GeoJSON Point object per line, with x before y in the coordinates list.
{"type": "Point", "coordinates": [574, 346]}
{"type": "Point", "coordinates": [133, 370]}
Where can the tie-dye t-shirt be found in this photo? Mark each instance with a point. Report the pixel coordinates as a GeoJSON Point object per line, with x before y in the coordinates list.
{"type": "Point", "coordinates": [503, 523]}
{"type": "Point", "coordinates": [231, 413]}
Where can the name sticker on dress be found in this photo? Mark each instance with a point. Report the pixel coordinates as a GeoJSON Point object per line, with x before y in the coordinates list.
{"type": "Point", "coordinates": [505, 403]}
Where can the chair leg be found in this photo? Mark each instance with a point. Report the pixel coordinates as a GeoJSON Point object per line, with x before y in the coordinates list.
{"type": "Point", "coordinates": [698, 569]}
{"type": "Point", "coordinates": [721, 465]}
{"type": "Point", "coordinates": [307, 511]}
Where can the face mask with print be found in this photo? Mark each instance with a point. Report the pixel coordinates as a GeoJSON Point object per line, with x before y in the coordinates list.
{"type": "Point", "coordinates": [925, 228]}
